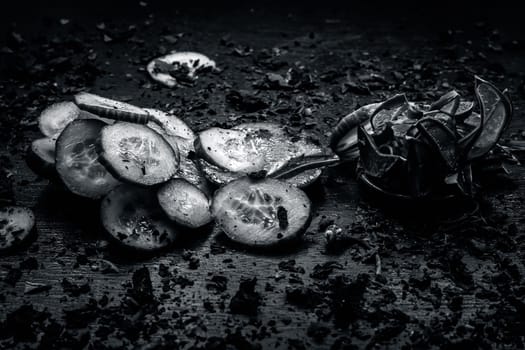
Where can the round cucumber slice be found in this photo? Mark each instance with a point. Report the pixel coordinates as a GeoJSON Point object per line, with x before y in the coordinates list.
{"type": "Point", "coordinates": [184, 203]}
{"type": "Point", "coordinates": [137, 154]}
{"type": "Point", "coordinates": [261, 212]}
{"type": "Point", "coordinates": [112, 109]}
{"type": "Point", "coordinates": [77, 161]}
{"type": "Point", "coordinates": [16, 226]}
{"type": "Point", "coordinates": [56, 117]}
{"type": "Point", "coordinates": [132, 216]}
{"type": "Point", "coordinates": [233, 150]}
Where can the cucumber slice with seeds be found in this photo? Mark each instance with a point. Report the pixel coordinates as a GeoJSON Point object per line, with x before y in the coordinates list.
{"type": "Point", "coordinates": [261, 212]}
{"type": "Point", "coordinates": [137, 154]}
{"type": "Point", "coordinates": [56, 117]}
{"type": "Point", "coordinates": [41, 157]}
{"type": "Point", "coordinates": [112, 109]}
{"type": "Point", "coordinates": [233, 150]}
{"type": "Point", "coordinates": [77, 161]}
{"type": "Point", "coordinates": [132, 216]}
{"type": "Point", "coordinates": [274, 147]}
{"type": "Point", "coordinates": [16, 226]}
{"type": "Point", "coordinates": [184, 203]}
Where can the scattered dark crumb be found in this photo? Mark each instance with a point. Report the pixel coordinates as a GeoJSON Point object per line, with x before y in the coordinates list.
{"type": "Point", "coordinates": [141, 289]}
{"type": "Point", "coordinates": [246, 300]}
{"type": "Point", "coordinates": [282, 216]}
{"type": "Point", "coordinates": [29, 264]}
{"type": "Point", "coordinates": [258, 175]}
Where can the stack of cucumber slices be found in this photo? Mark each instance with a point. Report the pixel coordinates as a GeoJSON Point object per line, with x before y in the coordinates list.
{"type": "Point", "coordinates": [155, 177]}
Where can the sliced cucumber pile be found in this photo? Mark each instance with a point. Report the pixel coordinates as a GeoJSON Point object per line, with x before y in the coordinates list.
{"type": "Point", "coordinates": [133, 217]}
{"type": "Point", "coordinates": [145, 147]}
{"type": "Point", "coordinates": [112, 109]}
{"type": "Point", "coordinates": [137, 154]}
{"type": "Point", "coordinates": [261, 212]}
{"type": "Point", "coordinates": [41, 157]}
{"type": "Point", "coordinates": [178, 67]}
{"type": "Point", "coordinates": [16, 226]}
{"type": "Point", "coordinates": [184, 203]}
{"type": "Point", "coordinates": [229, 154]}
{"type": "Point", "coordinates": [77, 161]}
{"type": "Point", "coordinates": [56, 117]}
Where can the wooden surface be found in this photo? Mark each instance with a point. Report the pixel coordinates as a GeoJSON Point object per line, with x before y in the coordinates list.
{"type": "Point", "coordinates": [68, 227]}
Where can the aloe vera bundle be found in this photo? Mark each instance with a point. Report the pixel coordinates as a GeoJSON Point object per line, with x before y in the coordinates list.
{"type": "Point", "coordinates": [425, 150]}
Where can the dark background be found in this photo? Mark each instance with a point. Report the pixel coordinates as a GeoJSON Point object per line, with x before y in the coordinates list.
{"type": "Point", "coordinates": [441, 285]}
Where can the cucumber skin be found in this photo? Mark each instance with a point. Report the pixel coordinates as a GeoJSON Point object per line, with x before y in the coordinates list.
{"type": "Point", "coordinates": [117, 114]}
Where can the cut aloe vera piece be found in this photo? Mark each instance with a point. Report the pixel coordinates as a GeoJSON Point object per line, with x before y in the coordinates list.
{"type": "Point", "coordinates": [112, 109]}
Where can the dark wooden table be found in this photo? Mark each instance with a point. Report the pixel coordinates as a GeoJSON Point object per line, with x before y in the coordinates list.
{"type": "Point", "coordinates": [437, 286]}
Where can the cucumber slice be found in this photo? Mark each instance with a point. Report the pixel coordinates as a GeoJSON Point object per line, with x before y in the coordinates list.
{"type": "Point", "coordinates": [184, 203]}
{"type": "Point", "coordinates": [132, 216]}
{"type": "Point", "coordinates": [56, 117]}
{"type": "Point", "coordinates": [261, 212]}
{"type": "Point", "coordinates": [233, 150]}
{"type": "Point", "coordinates": [178, 67]}
{"type": "Point", "coordinates": [41, 157]}
{"type": "Point", "coordinates": [170, 124]}
{"type": "Point", "coordinates": [112, 109]}
{"type": "Point", "coordinates": [16, 226]}
{"type": "Point", "coordinates": [137, 154]}
{"type": "Point", "coordinates": [275, 146]}
{"type": "Point", "coordinates": [77, 161]}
